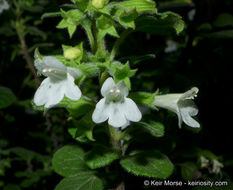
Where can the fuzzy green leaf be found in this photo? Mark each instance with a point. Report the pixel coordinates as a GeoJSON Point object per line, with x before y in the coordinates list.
{"type": "Point", "coordinates": [164, 24]}
{"type": "Point", "coordinates": [85, 126]}
{"type": "Point", "coordinates": [148, 163]}
{"type": "Point", "coordinates": [144, 98]}
{"type": "Point", "coordinates": [71, 19]}
{"type": "Point", "coordinates": [155, 128]}
{"type": "Point", "coordinates": [55, 14]}
{"type": "Point", "coordinates": [140, 5]}
{"type": "Point", "coordinates": [81, 4]}
{"type": "Point", "coordinates": [122, 72]}
{"type": "Point", "coordinates": [101, 156]}
{"type": "Point", "coordinates": [78, 108]}
{"type": "Point", "coordinates": [89, 69]}
{"type": "Point", "coordinates": [80, 182]}
{"type": "Point", "coordinates": [6, 97]}
{"type": "Point", "coordinates": [106, 26]}
{"type": "Point", "coordinates": [69, 161]}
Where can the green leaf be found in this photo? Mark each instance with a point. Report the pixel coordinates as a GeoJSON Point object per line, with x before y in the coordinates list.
{"type": "Point", "coordinates": [148, 163]}
{"type": "Point", "coordinates": [80, 182]}
{"type": "Point", "coordinates": [71, 30]}
{"type": "Point", "coordinates": [224, 34]}
{"type": "Point", "coordinates": [6, 97]}
{"type": "Point", "coordinates": [85, 127]}
{"type": "Point", "coordinates": [163, 24]}
{"type": "Point", "coordinates": [78, 108]}
{"type": "Point", "coordinates": [144, 98]}
{"type": "Point", "coordinates": [89, 69]}
{"type": "Point", "coordinates": [223, 20]}
{"type": "Point", "coordinates": [37, 32]}
{"type": "Point", "coordinates": [123, 72]}
{"type": "Point", "coordinates": [71, 19]}
{"type": "Point", "coordinates": [81, 4]}
{"type": "Point", "coordinates": [155, 128]}
{"type": "Point", "coordinates": [69, 161]}
{"type": "Point", "coordinates": [106, 26]}
{"type": "Point", "coordinates": [140, 5]}
{"type": "Point", "coordinates": [45, 15]}
{"type": "Point", "coordinates": [188, 170]}
{"type": "Point", "coordinates": [23, 153]}
{"type": "Point", "coordinates": [125, 16]}
{"type": "Point", "coordinates": [100, 156]}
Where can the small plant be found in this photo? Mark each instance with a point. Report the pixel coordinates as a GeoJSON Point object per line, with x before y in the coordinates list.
{"type": "Point", "coordinates": [66, 86]}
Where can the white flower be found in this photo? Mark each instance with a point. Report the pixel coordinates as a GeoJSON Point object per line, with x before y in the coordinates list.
{"type": "Point", "coordinates": [217, 166]}
{"type": "Point", "coordinates": [191, 14]}
{"type": "Point", "coordinates": [3, 5]}
{"type": "Point", "coordinates": [204, 162]}
{"type": "Point", "coordinates": [115, 107]}
{"type": "Point", "coordinates": [171, 46]}
{"type": "Point", "coordinates": [59, 82]}
{"type": "Point", "coordinates": [181, 104]}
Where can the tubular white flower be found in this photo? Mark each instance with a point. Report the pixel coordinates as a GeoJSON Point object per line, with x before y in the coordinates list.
{"type": "Point", "coordinates": [59, 82]}
{"type": "Point", "coordinates": [181, 104]}
{"type": "Point", "coordinates": [217, 166]}
{"type": "Point", "coordinates": [3, 5]}
{"type": "Point", "coordinates": [115, 107]}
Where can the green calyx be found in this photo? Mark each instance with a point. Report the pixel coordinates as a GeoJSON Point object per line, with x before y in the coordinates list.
{"type": "Point", "coordinates": [98, 4]}
{"type": "Point", "coordinates": [72, 53]}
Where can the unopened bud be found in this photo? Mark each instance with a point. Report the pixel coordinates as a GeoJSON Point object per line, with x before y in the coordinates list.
{"type": "Point", "coordinates": [72, 53]}
{"type": "Point", "coordinates": [98, 4]}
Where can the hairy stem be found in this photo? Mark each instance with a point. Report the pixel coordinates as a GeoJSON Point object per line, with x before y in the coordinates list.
{"type": "Point", "coordinates": [29, 61]}
{"type": "Point", "coordinates": [99, 43]}
{"type": "Point", "coordinates": [114, 137]}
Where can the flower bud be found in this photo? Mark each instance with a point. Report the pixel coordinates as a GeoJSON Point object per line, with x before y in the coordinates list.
{"type": "Point", "coordinates": [98, 4]}
{"type": "Point", "coordinates": [72, 53]}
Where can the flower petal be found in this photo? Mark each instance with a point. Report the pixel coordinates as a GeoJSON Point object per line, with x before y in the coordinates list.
{"type": "Point", "coordinates": [100, 113]}
{"type": "Point", "coordinates": [55, 93]}
{"type": "Point", "coordinates": [53, 63]}
{"type": "Point", "coordinates": [123, 88]}
{"type": "Point", "coordinates": [72, 91]}
{"type": "Point", "coordinates": [131, 110]}
{"type": "Point", "coordinates": [41, 96]}
{"type": "Point", "coordinates": [186, 116]}
{"type": "Point", "coordinates": [190, 93]}
{"type": "Point", "coordinates": [76, 73]}
{"type": "Point", "coordinates": [116, 116]}
{"type": "Point", "coordinates": [108, 84]}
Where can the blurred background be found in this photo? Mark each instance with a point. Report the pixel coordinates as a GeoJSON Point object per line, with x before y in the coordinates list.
{"type": "Point", "coordinates": [200, 56]}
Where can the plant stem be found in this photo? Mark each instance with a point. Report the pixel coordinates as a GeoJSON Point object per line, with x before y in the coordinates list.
{"type": "Point", "coordinates": [90, 38]}
{"type": "Point", "coordinates": [114, 137]}
{"type": "Point", "coordinates": [99, 43]}
{"type": "Point", "coordinates": [29, 61]}
{"type": "Point", "coordinates": [119, 42]}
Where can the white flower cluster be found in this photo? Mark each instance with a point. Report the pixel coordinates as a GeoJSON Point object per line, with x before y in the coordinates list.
{"type": "Point", "coordinates": [114, 106]}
